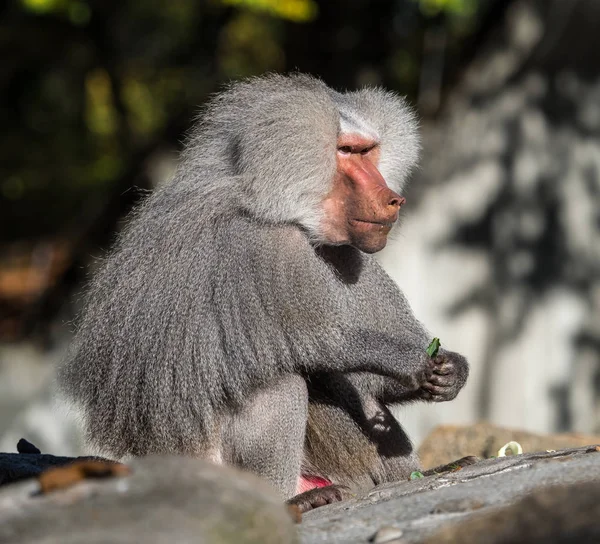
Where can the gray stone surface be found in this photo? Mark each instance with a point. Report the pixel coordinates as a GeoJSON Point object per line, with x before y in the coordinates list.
{"type": "Point", "coordinates": [552, 497]}
{"type": "Point", "coordinates": [418, 509]}
{"type": "Point", "coordinates": [566, 514]}
{"type": "Point", "coordinates": [166, 500]}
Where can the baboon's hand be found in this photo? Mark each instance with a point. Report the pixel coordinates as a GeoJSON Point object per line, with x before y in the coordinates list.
{"type": "Point", "coordinates": [449, 371]}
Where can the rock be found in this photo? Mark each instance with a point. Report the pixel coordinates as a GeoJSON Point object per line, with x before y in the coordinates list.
{"type": "Point", "coordinates": [448, 442]}
{"type": "Point", "coordinates": [457, 505]}
{"type": "Point", "coordinates": [24, 446]}
{"type": "Point", "coordinates": [560, 515]}
{"type": "Point", "coordinates": [164, 500]}
{"type": "Point", "coordinates": [535, 497]}
{"type": "Point", "coordinates": [444, 505]}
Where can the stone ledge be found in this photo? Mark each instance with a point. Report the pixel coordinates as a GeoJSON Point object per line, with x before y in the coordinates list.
{"type": "Point", "coordinates": [418, 509]}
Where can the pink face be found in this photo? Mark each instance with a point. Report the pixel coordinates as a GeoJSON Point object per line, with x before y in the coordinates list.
{"type": "Point", "coordinates": [360, 209]}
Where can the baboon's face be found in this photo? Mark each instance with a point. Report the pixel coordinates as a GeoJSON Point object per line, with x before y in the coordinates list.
{"type": "Point", "coordinates": [360, 209]}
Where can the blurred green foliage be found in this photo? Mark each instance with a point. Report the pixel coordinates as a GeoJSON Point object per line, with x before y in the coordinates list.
{"type": "Point", "coordinates": [299, 11]}
{"type": "Point", "coordinates": [459, 7]}
{"type": "Point", "coordinates": [78, 12]}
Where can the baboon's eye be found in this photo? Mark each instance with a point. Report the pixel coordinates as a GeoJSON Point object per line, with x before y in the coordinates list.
{"type": "Point", "coordinates": [367, 149]}
{"type": "Point", "coordinates": [345, 149]}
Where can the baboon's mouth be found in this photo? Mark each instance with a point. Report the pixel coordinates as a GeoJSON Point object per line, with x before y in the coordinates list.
{"type": "Point", "coordinates": [385, 224]}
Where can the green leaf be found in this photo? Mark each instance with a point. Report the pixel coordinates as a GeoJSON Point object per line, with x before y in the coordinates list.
{"type": "Point", "coordinates": [416, 475]}
{"type": "Point", "coordinates": [433, 348]}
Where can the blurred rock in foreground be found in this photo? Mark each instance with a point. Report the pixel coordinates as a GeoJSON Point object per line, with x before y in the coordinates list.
{"type": "Point", "coordinates": [448, 442]}
{"type": "Point", "coordinates": [165, 500]}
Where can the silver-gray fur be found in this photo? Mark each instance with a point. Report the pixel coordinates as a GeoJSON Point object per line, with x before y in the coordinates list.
{"type": "Point", "coordinates": [220, 303]}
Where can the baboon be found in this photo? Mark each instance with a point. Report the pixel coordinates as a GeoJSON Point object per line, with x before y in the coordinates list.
{"type": "Point", "coordinates": [242, 305]}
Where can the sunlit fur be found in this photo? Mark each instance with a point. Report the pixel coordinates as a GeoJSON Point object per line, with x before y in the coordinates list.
{"type": "Point", "coordinates": [385, 117]}
{"type": "Point", "coordinates": [274, 138]}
